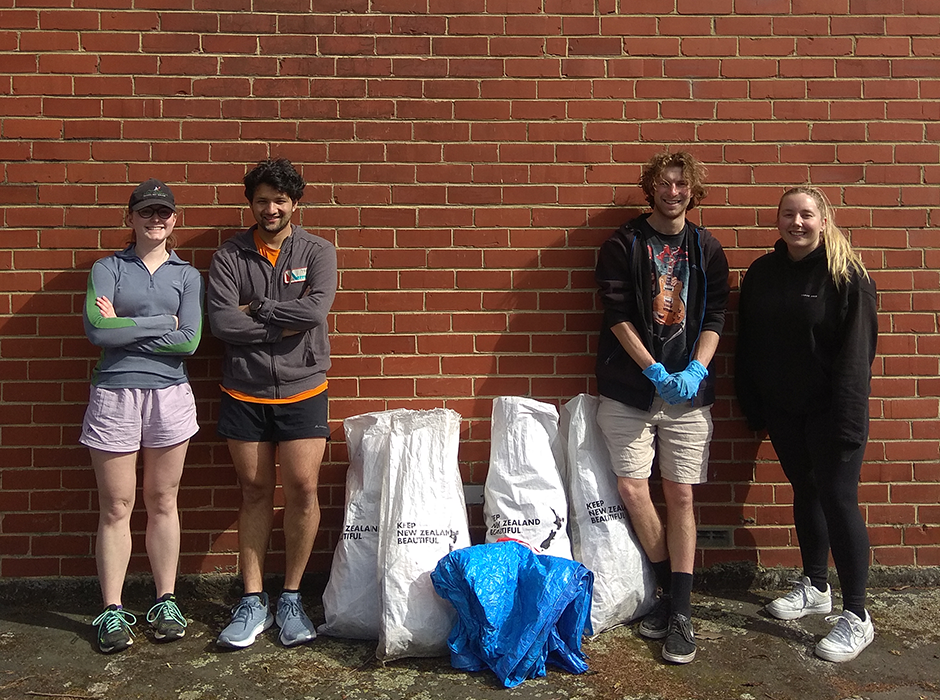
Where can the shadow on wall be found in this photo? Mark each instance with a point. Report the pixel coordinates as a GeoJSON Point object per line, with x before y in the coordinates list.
{"type": "Point", "coordinates": [543, 347]}
{"type": "Point", "coordinates": [48, 363]}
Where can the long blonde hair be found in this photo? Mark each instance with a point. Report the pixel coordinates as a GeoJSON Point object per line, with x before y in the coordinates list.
{"type": "Point", "coordinates": [840, 257]}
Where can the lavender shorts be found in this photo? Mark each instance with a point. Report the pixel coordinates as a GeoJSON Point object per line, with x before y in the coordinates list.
{"type": "Point", "coordinates": [124, 420]}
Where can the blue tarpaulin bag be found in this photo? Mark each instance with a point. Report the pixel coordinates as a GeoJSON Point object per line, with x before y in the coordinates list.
{"type": "Point", "coordinates": [516, 610]}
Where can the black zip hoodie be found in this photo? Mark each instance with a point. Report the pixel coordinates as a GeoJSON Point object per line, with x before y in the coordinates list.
{"type": "Point", "coordinates": [624, 276]}
{"type": "Point", "coordinates": [805, 347]}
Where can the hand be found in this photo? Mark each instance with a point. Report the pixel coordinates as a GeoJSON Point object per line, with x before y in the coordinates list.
{"type": "Point", "coordinates": [657, 374]}
{"type": "Point", "coordinates": [682, 386]}
{"type": "Point", "coordinates": [176, 322]}
{"type": "Point", "coordinates": [105, 307]}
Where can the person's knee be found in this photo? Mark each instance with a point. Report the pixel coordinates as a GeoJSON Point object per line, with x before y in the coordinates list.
{"type": "Point", "coordinates": [842, 511]}
{"type": "Point", "coordinates": [634, 493]}
{"type": "Point", "coordinates": [116, 510]}
{"type": "Point", "coordinates": [257, 492]}
{"type": "Point", "coordinates": [678, 497]}
{"type": "Point", "coordinates": [300, 475]}
{"type": "Point", "coordinates": [303, 494]}
{"type": "Point", "coordinates": [160, 503]}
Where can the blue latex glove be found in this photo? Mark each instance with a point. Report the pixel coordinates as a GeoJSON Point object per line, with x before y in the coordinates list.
{"type": "Point", "coordinates": [682, 386]}
{"type": "Point", "coordinates": [657, 374]}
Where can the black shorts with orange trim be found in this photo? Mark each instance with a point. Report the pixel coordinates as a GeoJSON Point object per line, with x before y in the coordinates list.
{"type": "Point", "coordinates": [258, 422]}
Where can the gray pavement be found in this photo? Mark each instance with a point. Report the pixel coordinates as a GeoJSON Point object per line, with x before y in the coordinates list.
{"type": "Point", "coordinates": [47, 650]}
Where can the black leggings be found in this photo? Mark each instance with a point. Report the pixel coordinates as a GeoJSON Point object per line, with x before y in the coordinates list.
{"type": "Point", "coordinates": [824, 475]}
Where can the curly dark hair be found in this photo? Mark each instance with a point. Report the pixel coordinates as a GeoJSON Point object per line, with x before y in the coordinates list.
{"type": "Point", "coordinates": [279, 174]}
{"type": "Point", "coordinates": [692, 170]}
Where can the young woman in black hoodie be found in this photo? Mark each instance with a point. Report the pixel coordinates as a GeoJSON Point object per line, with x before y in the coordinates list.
{"type": "Point", "coordinates": [806, 343]}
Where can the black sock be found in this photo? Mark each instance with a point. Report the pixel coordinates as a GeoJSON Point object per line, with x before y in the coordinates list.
{"type": "Point", "coordinates": [819, 583]}
{"type": "Point", "coordinates": [663, 573]}
{"type": "Point", "coordinates": [860, 611]}
{"type": "Point", "coordinates": [682, 593]}
{"type": "Point", "coordinates": [259, 595]}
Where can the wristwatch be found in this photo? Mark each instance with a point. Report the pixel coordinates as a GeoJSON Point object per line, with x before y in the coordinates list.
{"type": "Point", "coordinates": [254, 307]}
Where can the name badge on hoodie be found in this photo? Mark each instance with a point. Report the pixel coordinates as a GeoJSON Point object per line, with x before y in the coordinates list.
{"type": "Point", "coordinates": [298, 275]}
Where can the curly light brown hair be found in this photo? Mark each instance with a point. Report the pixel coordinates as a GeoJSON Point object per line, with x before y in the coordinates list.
{"type": "Point", "coordinates": [692, 170]}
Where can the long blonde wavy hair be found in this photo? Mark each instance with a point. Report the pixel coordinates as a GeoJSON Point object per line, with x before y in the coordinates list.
{"type": "Point", "coordinates": [840, 256]}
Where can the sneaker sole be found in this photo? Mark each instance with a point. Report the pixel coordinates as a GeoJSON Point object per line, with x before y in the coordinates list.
{"type": "Point", "coordinates": [115, 648]}
{"type": "Point", "coordinates": [295, 642]}
{"type": "Point", "coordinates": [652, 633]}
{"type": "Point", "coordinates": [797, 614]}
{"type": "Point", "coordinates": [839, 657]}
{"type": "Point", "coordinates": [168, 637]}
{"type": "Point", "coordinates": [250, 639]}
{"type": "Point", "coordinates": [678, 658]}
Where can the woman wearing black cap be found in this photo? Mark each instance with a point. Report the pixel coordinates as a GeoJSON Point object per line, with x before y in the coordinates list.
{"type": "Point", "coordinates": [143, 308]}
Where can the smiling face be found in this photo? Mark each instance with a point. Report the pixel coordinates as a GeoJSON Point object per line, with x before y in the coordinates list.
{"type": "Point", "coordinates": [152, 225]}
{"type": "Point", "coordinates": [800, 224]}
{"type": "Point", "coordinates": [272, 209]}
{"type": "Point", "coordinates": [671, 194]}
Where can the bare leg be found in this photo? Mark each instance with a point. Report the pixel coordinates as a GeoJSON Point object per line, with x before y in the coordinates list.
{"type": "Point", "coordinates": [680, 525]}
{"type": "Point", "coordinates": [254, 465]}
{"type": "Point", "coordinates": [300, 469]}
{"type": "Point", "coordinates": [116, 474]}
{"type": "Point", "coordinates": [644, 517]}
{"type": "Point", "coordinates": [163, 468]}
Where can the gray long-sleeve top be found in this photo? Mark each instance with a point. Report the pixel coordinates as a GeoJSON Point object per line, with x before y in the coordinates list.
{"type": "Point", "coordinates": [144, 346]}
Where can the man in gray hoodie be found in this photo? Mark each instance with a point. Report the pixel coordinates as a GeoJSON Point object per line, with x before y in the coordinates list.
{"type": "Point", "coordinates": [270, 291]}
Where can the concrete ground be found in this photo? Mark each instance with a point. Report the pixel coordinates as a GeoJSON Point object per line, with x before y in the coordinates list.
{"type": "Point", "coordinates": [47, 649]}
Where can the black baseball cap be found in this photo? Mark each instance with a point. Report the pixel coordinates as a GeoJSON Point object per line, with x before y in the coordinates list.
{"type": "Point", "coordinates": [150, 193]}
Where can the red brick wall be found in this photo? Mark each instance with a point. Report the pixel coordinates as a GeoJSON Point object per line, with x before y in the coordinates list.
{"type": "Point", "coordinates": [467, 157]}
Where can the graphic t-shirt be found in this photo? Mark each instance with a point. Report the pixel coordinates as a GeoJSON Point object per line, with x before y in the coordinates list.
{"type": "Point", "coordinates": [670, 269]}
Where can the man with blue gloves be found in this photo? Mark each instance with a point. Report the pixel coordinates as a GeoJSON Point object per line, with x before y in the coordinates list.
{"type": "Point", "coordinates": [664, 287]}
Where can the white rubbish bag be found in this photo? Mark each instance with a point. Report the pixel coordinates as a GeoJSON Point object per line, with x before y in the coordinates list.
{"type": "Point", "coordinates": [524, 495]}
{"type": "Point", "coordinates": [601, 535]}
{"type": "Point", "coordinates": [351, 597]}
{"type": "Point", "coordinates": [423, 518]}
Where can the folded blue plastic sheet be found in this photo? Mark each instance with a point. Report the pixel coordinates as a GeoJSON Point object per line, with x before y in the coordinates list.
{"type": "Point", "coordinates": [516, 610]}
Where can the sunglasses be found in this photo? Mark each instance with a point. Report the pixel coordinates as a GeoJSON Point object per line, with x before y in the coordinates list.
{"type": "Point", "coordinates": [148, 212]}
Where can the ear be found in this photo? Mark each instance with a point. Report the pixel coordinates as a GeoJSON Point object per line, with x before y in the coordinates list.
{"type": "Point", "coordinates": [128, 218]}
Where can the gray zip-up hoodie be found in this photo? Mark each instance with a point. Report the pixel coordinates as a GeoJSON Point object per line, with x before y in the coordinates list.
{"type": "Point", "coordinates": [143, 348]}
{"type": "Point", "coordinates": [295, 295]}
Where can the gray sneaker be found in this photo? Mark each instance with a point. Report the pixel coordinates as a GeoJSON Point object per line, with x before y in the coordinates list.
{"type": "Point", "coordinates": [166, 619]}
{"type": "Point", "coordinates": [114, 629]}
{"type": "Point", "coordinates": [250, 618]}
{"type": "Point", "coordinates": [296, 627]}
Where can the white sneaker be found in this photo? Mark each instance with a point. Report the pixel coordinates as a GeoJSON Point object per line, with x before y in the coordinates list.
{"type": "Point", "coordinates": [847, 639]}
{"type": "Point", "coordinates": [804, 599]}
